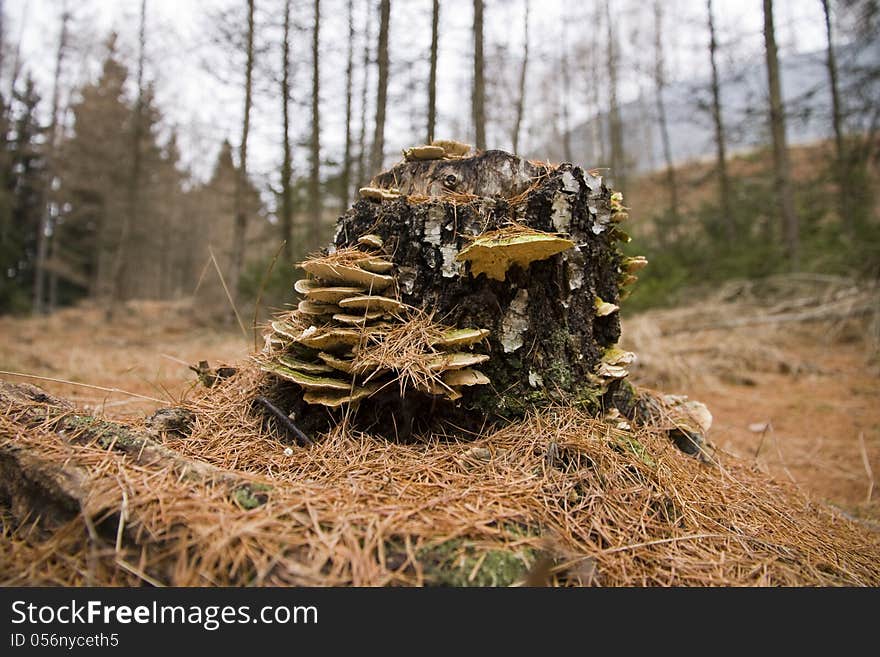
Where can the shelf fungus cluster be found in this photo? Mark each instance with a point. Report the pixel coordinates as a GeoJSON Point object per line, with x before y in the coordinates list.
{"type": "Point", "coordinates": [351, 337]}
{"type": "Point", "coordinates": [521, 260]}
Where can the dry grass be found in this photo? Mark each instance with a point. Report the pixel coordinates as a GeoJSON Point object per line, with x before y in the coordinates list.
{"type": "Point", "coordinates": [406, 350]}
{"type": "Point", "coordinates": [348, 256]}
{"type": "Point", "coordinates": [789, 369]}
{"type": "Point", "coordinates": [605, 507]}
{"type": "Point", "coordinates": [146, 350]}
{"type": "Point", "coordinates": [741, 329]}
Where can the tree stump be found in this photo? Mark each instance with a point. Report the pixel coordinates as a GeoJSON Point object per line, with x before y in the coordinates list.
{"type": "Point", "coordinates": [524, 249]}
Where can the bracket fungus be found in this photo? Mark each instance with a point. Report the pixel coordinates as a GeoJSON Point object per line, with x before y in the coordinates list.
{"type": "Point", "coordinates": [365, 341]}
{"type": "Point", "coordinates": [494, 254]}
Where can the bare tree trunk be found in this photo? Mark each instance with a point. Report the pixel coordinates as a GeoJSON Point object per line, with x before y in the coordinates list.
{"type": "Point", "coordinates": [240, 229]}
{"type": "Point", "coordinates": [521, 96]}
{"type": "Point", "coordinates": [130, 217]}
{"type": "Point", "coordinates": [315, 141]}
{"type": "Point", "coordinates": [594, 97]}
{"type": "Point", "coordinates": [362, 137]}
{"type": "Point", "coordinates": [720, 136]}
{"type": "Point", "coordinates": [287, 161]}
{"type": "Point", "coordinates": [377, 152]}
{"type": "Point", "coordinates": [46, 220]}
{"type": "Point", "coordinates": [841, 165]}
{"type": "Point", "coordinates": [16, 59]}
{"type": "Point", "coordinates": [346, 165]}
{"type": "Point", "coordinates": [618, 159]}
{"type": "Point", "coordinates": [784, 196]}
{"type": "Point", "coordinates": [566, 94]}
{"type": "Point", "coordinates": [478, 98]}
{"type": "Point", "coordinates": [660, 85]}
{"type": "Point", "coordinates": [432, 79]}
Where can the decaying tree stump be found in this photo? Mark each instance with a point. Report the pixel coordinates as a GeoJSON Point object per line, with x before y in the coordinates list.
{"type": "Point", "coordinates": [526, 250]}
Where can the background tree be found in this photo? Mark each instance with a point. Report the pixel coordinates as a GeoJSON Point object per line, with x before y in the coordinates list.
{"type": "Point", "coordinates": [478, 96]}
{"type": "Point", "coordinates": [315, 139]}
{"type": "Point", "coordinates": [659, 89]}
{"type": "Point", "coordinates": [521, 87]}
{"type": "Point", "coordinates": [615, 125]}
{"type": "Point", "coordinates": [724, 193]}
{"type": "Point", "coordinates": [131, 215]}
{"type": "Point", "coordinates": [349, 81]}
{"type": "Point", "coordinates": [784, 198]}
{"type": "Point", "coordinates": [286, 219]}
{"type": "Point", "coordinates": [432, 77]}
{"type": "Point", "coordinates": [365, 89]}
{"type": "Point", "coordinates": [377, 152]}
{"type": "Point", "coordinates": [241, 217]}
{"type": "Point", "coordinates": [841, 164]}
{"type": "Point", "coordinates": [47, 226]}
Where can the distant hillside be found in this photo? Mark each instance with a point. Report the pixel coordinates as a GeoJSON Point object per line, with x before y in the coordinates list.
{"type": "Point", "coordinates": [805, 89]}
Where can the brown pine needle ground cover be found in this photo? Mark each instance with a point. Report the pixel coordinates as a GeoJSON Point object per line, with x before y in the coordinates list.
{"type": "Point", "coordinates": [560, 498]}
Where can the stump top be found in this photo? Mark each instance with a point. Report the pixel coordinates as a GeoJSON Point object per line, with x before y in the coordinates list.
{"type": "Point", "coordinates": [488, 174]}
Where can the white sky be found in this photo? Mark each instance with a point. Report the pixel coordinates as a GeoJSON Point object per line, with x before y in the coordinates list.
{"type": "Point", "coordinates": [204, 109]}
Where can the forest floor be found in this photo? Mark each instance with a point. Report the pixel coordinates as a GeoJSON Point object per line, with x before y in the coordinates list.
{"type": "Point", "coordinates": [798, 399]}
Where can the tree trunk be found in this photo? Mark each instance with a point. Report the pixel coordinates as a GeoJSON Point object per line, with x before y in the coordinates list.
{"type": "Point", "coordinates": [132, 213]}
{"type": "Point", "coordinates": [478, 98]}
{"type": "Point", "coordinates": [432, 78]}
{"type": "Point", "coordinates": [346, 163]}
{"type": "Point", "coordinates": [566, 95]}
{"type": "Point", "coordinates": [46, 221]}
{"type": "Point", "coordinates": [521, 95]}
{"type": "Point", "coordinates": [315, 141]}
{"type": "Point", "coordinates": [615, 127]}
{"type": "Point", "coordinates": [362, 135]}
{"type": "Point", "coordinates": [728, 221]}
{"type": "Point", "coordinates": [287, 161]}
{"type": "Point", "coordinates": [785, 200]}
{"type": "Point", "coordinates": [598, 132]}
{"type": "Point", "coordinates": [660, 85]}
{"type": "Point", "coordinates": [377, 153]}
{"type": "Point", "coordinates": [549, 329]}
{"type": "Point", "coordinates": [241, 179]}
{"type": "Point", "coordinates": [841, 162]}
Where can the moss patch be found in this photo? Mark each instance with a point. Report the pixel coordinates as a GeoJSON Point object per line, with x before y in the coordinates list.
{"type": "Point", "coordinates": [106, 434]}
{"type": "Point", "coordinates": [458, 563]}
{"type": "Point", "coordinates": [250, 496]}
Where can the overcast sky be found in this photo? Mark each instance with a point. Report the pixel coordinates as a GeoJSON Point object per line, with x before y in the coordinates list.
{"type": "Point", "coordinates": [189, 72]}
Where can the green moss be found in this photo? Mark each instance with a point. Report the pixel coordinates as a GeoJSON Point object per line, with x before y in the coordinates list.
{"type": "Point", "coordinates": [458, 563]}
{"type": "Point", "coordinates": [250, 496]}
{"type": "Point", "coordinates": [633, 446]}
{"type": "Point", "coordinates": [556, 370]}
{"type": "Point", "coordinates": [106, 434]}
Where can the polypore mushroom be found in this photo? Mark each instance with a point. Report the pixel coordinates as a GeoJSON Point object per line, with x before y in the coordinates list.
{"type": "Point", "coordinates": [358, 320]}
{"type": "Point", "coordinates": [461, 337]}
{"type": "Point", "coordinates": [455, 361]}
{"type": "Point", "coordinates": [451, 148]}
{"type": "Point", "coordinates": [379, 194]}
{"type": "Point", "coordinates": [604, 308]}
{"type": "Point", "coordinates": [332, 294]}
{"type": "Point", "coordinates": [373, 241]}
{"type": "Point", "coordinates": [634, 264]}
{"type": "Point", "coordinates": [334, 399]}
{"type": "Point", "coordinates": [424, 153]}
{"type": "Point", "coordinates": [368, 302]}
{"type": "Point", "coordinates": [304, 366]}
{"type": "Point", "coordinates": [465, 377]}
{"type": "Point", "coordinates": [346, 274]}
{"type": "Point", "coordinates": [496, 254]}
